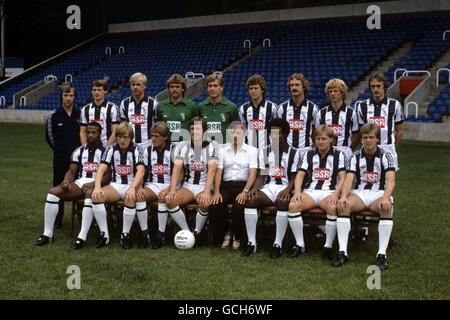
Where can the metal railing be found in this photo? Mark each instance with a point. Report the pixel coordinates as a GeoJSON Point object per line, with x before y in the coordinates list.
{"type": "Point", "coordinates": [264, 42]}
{"type": "Point", "coordinates": [437, 75]}
{"type": "Point", "coordinates": [218, 72]}
{"type": "Point", "coordinates": [407, 72]}
{"type": "Point", "coordinates": [417, 108]}
{"type": "Point", "coordinates": [443, 35]}
{"type": "Point", "coordinates": [249, 45]}
{"type": "Point", "coordinates": [68, 76]}
{"type": "Point", "coordinates": [23, 101]}
{"type": "Point", "coordinates": [108, 51]}
{"type": "Point", "coordinates": [121, 49]}
{"type": "Point", "coordinates": [2, 101]}
{"type": "Point", "coordinates": [49, 78]}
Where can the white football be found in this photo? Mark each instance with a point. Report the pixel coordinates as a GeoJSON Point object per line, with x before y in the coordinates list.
{"type": "Point", "coordinates": [184, 239]}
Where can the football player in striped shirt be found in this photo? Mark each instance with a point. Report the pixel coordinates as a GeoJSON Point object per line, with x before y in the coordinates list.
{"type": "Point", "coordinates": [373, 171]}
{"type": "Point", "coordinates": [139, 110]}
{"type": "Point", "coordinates": [257, 113]}
{"type": "Point", "coordinates": [278, 165]}
{"type": "Point", "coordinates": [387, 114]}
{"type": "Point", "coordinates": [102, 111]}
{"type": "Point", "coordinates": [318, 184]}
{"type": "Point", "coordinates": [340, 118]}
{"type": "Point", "coordinates": [199, 159]}
{"type": "Point", "coordinates": [78, 183]}
{"type": "Point", "coordinates": [299, 112]}
{"type": "Point", "coordinates": [157, 158]}
{"type": "Point", "coordinates": [128, 171]}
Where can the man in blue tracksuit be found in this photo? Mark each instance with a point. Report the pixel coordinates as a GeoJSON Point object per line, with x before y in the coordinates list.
{"type": "Point", "coordinates": [63, 135]}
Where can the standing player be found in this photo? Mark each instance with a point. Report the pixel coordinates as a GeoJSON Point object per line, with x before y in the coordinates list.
{"type": "Point", "coordinates": [200, 163]}
{"type": "Point", "coordinates": [177, 110]}
{"type": "Point", "coordinates": [77, 182]}
{"type": "Point", "coordinates": [139, 110]}
{"type": "Point", "coordinates": [387, 114]}
{"type": "Point", "coordinates": [62, 135]}
{"type": "Point", "coordinates": [157, 158]}
{"type": "Point", "coordinates": [299, 112]}
{"type": "Point", "coordinates": [373, 171]}
{"type": "Point", "coordinates": [324, 170]}
{"type": "Point", "coordinates": [257, 113]}
{"type": "Point", "coordinates": [281, 161]}
{"type": "Point", "coordinates": [340, 118]}
{"type": "Point", "coordinates": [127, 174]}
{"type": "Point", "coordinates": [217, 111]}
{"type": "Point", "coordinates": [102, 111]}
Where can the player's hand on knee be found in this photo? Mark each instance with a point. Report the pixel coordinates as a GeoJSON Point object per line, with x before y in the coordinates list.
{"type": "Point", "coordinates": [97, 194]}
{"type": "Point", "coordinates": [65, 185]}
{"type": "Point", "coordinates": [130, 194]}
{"type": "Point", "coordinates": [333, 199]}
{"type": "Point", "coordinates": [342, 204]}
{"type": "Point", "coordinates": [216, 198]}
{"type": "Point", "coordinates": [162, 195]}
{"type": "Point", "coordinates": [385, 207]}
{"type": "Point", "coordinates": [171, 196]}
{"type": "Point", "coordinates": [298, 197]}
{"type": "Point", "coordinates": [241, 197]}
{"type": "Point", "coordinates": [284, 195]}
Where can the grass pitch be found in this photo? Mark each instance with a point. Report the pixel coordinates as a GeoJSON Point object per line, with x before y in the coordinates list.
{"type": "Point", "coordinates": [418, 266]}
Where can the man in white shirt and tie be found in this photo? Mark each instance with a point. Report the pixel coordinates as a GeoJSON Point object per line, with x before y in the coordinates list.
{"type": "Point", "coordinates": [234, 177]}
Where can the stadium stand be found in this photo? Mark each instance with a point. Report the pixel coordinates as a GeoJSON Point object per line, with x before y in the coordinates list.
{"type": "Point", "coordinates": [343, 48]}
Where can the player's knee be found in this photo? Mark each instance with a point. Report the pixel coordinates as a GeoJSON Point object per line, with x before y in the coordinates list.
{"type": "Point", "coordinates": [88, 193]}
{"type": "Point", "coordinates": [251, 203]}
{"type": "Point", "coordinates": [282, 205]}
{"type": "Point", "coordinates": [56, 191]}
{"type": "Point", "coordinates": [294, 206]}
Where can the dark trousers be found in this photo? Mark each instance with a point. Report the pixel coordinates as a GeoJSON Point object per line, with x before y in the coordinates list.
{"type": "Point", "coordinates": [60, 167]}
{"type": "Point", "coordinates": [219, 212]}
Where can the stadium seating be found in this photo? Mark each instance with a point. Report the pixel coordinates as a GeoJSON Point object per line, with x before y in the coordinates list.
{"type": "Point", "coordinates": [321, 50]}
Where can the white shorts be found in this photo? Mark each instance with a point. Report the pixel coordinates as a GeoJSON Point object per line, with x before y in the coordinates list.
{"type": "Point", "coordinates": [272, 190]}
{"type": "Point", "coordinates": [318, 195]}
{"type": "Point", "coordinates": [82, 181]}
{"type": "Point", "coordinates": [120, 188]}
{"type": "Point", "coordinates": [369, 196]}
{"type": "Point", "coordinates": [156, 187]}
{"type": "Point", "coordinates": [194, 188]}
{"type": "Point", "coordinates": [390, 148]}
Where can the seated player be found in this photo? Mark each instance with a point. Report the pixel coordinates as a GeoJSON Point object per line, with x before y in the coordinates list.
{"type": "Point", "coordinates": [324, 170]}
{"type": "Point", "coordinates": [199, 158]}
{"type": "Point", "coordinates": [127, 173]}
{"type": "Point", "coordinates": [85, 160]}
{"type": "Point", "coordinates": [373, 171]}
{"type": "Point", "coordinates": [239, 165]}
{"type": "Point", "coordinates": [281, 161]}
{"type": "Point", "coordinates": [157, 158]}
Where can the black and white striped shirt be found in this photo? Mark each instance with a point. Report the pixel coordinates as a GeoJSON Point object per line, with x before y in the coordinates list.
{"type": "Point", "coordinates": [256, 120]}
{"type": "Point", "coordinates": [278, 166]}
{"type": "Point", "coordinates": [140, 115]}
{"type": "Point", "coordinates": [123, 165]}
{"type": "Point", "coordinates": [322, 173]}
{"type": "Point", "coordinates": [196, 167]}
{"type": "Point", "coordinates": [87, 160]}
{"type": "Point", "coordinates": [106, 114]}
{"type": "Point", "coordinates": [385, 114]}
{"type": "Point", "coordinates": [370, 174]}
{"type": "Point", "coordinates": [158, 163]}
{"type": "Point", "coordinates": [301, 121]}
{"type": "Point", "coordinates": [344, 122]}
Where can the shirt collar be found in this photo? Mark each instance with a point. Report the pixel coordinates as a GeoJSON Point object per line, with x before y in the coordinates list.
{"type": "Point", "coordinates": [384, 101]}
{"type": "Point", "coordinates": [145, 98]}
{"type": "Point", "coordinates": [341, 108]}
{"type": "Point", "coordinates": [261, 104]}
{"type": "Point", "coordinates": [292, 103]}
{"type": "Point", "coordinates": [330, 152]}
{"type": "Point", "coordinates": [103, 104]}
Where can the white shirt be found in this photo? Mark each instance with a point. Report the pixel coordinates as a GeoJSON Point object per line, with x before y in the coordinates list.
{"type": "Point", "coordinates": [236, 165]}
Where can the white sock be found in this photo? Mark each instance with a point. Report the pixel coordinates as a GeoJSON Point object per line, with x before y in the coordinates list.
{"type": "Point", "coordinates": [142, 214]}
{"type": "Point", "coordinates": [343, 227]}
{"type": "Point", "coordinates": [178, 216]}
{"type": "Point", "coordinates": [128, 218]}
{"type": "Point", "coordinates": [50, 213]}
{"type": "Point", "coordinates": [282, 223]}
{"type": "Point", "coordinates": [296, 224]}
{"type": "Point", "coordinates": [384, 234]}
{"type": "Point", "coordinates": [200, 220]}
{"type": "Point", "coordinates": [100, 216]}
{"type": "Point", "coordinates": [251, 220]}
{"type": "Point", "coordinates": [330, 227]}
{"type": "Point", "coordinates": [322, 228]}
{"type": "Point", "coordinates": [162, 217]}
{"type": "Point", "coordinates": [86, 220]}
